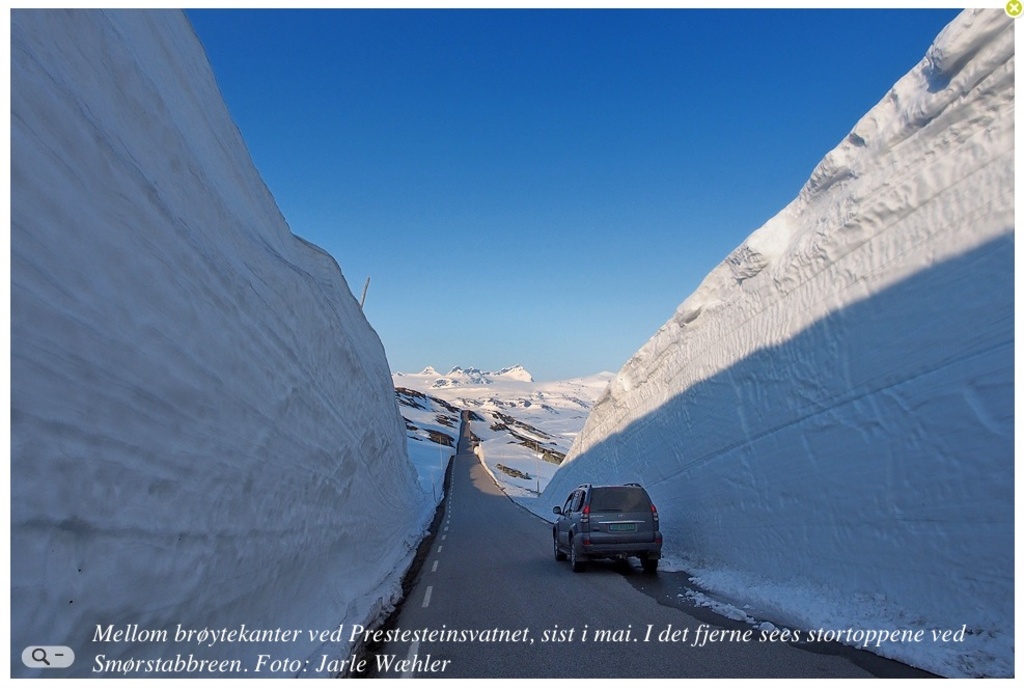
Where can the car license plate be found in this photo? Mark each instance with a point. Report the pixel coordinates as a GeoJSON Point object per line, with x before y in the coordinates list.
{"type": "Point", "coordinates": [622, 527]}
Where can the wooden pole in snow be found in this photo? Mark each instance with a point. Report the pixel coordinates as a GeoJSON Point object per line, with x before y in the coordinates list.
{"type": "Point", "coordinates": [365, 288]}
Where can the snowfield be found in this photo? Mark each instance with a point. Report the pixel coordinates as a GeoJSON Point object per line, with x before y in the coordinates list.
{"type": "Point", "coordinates": [203, 427]}
{"type": "Point", "coordinates": [826, 424]}
{"type": "Point", "coordinates": [432, 429]}
{"type": "Point", "coordinates": [524, 428]}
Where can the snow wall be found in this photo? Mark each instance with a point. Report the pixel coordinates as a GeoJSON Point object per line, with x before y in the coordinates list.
{"type": "Point", "coordinates": [826, 424]}
{"type": "Point", "coordinates": [204, 430]}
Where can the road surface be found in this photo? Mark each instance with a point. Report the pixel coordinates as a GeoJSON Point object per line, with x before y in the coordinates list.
{"type": "Point", "coordinates": [490, 582]}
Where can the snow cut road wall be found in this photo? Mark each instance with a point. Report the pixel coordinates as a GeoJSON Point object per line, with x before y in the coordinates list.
{"type": "Point", "coordinates": [203, 427]}
{"type": "Point", "coordinates": [826, 424]}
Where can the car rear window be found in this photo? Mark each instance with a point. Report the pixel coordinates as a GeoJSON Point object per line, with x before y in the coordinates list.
{"type": "Point", "coordinates": [619, 499]}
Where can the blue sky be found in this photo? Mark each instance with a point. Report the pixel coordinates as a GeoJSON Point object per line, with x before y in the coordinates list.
{"type": "Point", "coordinates": [543, 187]}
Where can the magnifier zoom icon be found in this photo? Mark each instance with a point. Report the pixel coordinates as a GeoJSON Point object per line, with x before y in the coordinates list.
{"type": "Point", "coordinates": [43, 657]}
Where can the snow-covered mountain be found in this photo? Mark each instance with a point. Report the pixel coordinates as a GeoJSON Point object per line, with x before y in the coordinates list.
{"type": "Point", "coordinates": [203, 426]}
{"type": "Point", "coordinates": [826, 424]}
{"type": "Point", "coordinates": [459, 376]}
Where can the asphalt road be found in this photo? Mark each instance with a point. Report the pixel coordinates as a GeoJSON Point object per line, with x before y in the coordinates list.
{"type": "Point", "coordinates": [490, 578]}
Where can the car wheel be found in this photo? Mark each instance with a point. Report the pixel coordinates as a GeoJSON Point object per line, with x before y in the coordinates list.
{"type": "Point", "coordinates": [650, 564]}
{"type": "Point", "coordinates": [559, 555]}
{"type": "Point", "coordinates": [574, 560]}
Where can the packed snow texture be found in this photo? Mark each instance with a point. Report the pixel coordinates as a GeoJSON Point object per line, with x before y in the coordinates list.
{"type": "Point", "coordinates": [826, 424]}
{"type": "Point", "coordinates": [203, 428]}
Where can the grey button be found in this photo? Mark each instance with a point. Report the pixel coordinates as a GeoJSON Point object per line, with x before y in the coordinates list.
{"type": "Point", "coordinates": [47, 657]}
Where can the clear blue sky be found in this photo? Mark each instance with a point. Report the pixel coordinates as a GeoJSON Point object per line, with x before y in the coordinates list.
{"type": "Point", "coordinates": [543, 187]}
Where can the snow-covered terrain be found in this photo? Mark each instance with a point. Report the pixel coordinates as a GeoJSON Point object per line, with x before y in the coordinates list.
{"type": "Point", "coordinates": [204, 432]}
{"type": "Point", "coordinates": [826, 424]}
{"type": "Point", "coordinates": [524, 427]}
{"type": "Point", "coordinates": [432, 427]}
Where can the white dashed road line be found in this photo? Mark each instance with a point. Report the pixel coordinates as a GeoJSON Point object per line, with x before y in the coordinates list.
{"type": "Point", "coordinates": [413, 650]}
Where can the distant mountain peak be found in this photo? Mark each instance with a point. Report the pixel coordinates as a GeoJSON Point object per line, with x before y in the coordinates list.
{"type": "Point", "coordinates": [470, 375]}
{"type": "Point", "coordinates": [516, 372]}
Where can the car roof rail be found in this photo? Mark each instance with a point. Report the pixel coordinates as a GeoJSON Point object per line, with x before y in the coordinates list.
{"type": "Point", "coordinates": [633, 484]}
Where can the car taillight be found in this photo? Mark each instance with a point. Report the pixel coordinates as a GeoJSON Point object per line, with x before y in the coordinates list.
{"type": "Point", "coordinates": [586, 515]}
{"type": "Point", "coordinates": [654, 512]}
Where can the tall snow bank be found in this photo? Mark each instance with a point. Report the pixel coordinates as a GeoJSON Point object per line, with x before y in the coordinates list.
{"type": "Point", "coordinates": [204, 431]}
{"type": "Point", "coordinates": [826, 424]}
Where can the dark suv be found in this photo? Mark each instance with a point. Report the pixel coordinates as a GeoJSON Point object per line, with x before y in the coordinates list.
{"type": "Point", "coordinates": [607, 521]}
